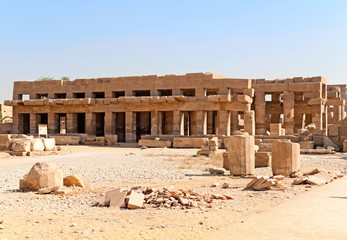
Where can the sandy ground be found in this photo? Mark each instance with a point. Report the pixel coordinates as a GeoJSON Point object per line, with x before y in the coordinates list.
{"type": "Point", "coordinates": [27, 215]}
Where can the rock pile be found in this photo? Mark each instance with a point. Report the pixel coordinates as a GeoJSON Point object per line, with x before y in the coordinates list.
{"type": "Point", "coordinates": [210, 149]}
{"type": "Point", "coordinates": [317, 177]}
{"type": "Point", "coordinates": [139, 197]}
{"type": "Point", "coordinates": [265, 182]}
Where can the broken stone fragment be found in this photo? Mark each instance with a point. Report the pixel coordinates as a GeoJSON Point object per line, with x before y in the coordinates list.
{"type": "Point", "coordinates": [215, 170]}
{"type": "Point", "coordinates": [135, 200]}
{"type": "Point", "coordinates": [299, 180]}
{"type": "Point", "coordinates": [48, 190]}
{"type": "Point", "coordinates": [183, 201]}
{"type": "Point", "coordinates": [77, 180]}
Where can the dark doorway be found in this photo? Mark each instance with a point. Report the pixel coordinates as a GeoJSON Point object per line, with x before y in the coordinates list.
{"type": "Point", "coordinates": [61, 123]}
{"type": "Point", "coordinates": [120, 126]}
{"type": "Point", "coordinates": [42, 118]}
{"type": "Point", "coordinates": [167, 122]}
{"type": "Point", "coordinates": [25, 123]}
{"type": "Point", "coordinates": [211, 122]}
{"type": "Point", "coordinates": [142, 93]}
{"type": "Point", "coordinates": [143, 124]}
{"type": "Point", "coordinates": [99, 124]}
{"type": "Point", "coordinates": [81, 122]}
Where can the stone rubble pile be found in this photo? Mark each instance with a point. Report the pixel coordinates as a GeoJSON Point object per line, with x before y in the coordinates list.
{"type": "Point", "coordinates": [139, 197]}
{"type": "Point", "coordinates": [264, 183]}
{"type": "Point", "coordinates": [317, 177]}
{"type": "Point", "coordinates": [210, 149]}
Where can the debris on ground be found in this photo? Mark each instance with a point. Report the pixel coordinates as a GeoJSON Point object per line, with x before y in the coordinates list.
{"type": "Point", "coordinates": [139, 197]}
{"type": "Point", "coordinates": [317, 177]}
{"type": "Point", "coordinates": [215, 170]}
{"type": "Point", "coordinates": [264, 182]}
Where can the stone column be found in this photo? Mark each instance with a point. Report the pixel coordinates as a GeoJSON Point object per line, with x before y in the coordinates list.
{"type": "Point", "coordinates": [160, 123]}
{"type": "Point", "coordinates": [70, 128]}
{"type": "Point", "coordinates": [298, 120]}
{"type": "Point", "coordinates": [260, 120]}
{"type": "Point", "coordinates": [51, 123]}
{"type": "Point", "coordinates": [178, 123]}
{"type": "Point", "coordinates": [109, 123]}
{"type": "Point", "coordinates": [33, 124]}
{"type": "Point", "coordinates": [224, 122]}
{"type": "Point", "coordinates": [89, 123]}
{"type": "Point", "coordinates": [15, 119]}
{"type": "Point", "coordinates": [129, 131]}
{"type": "Point", "coordinates": [288, 112]}
{"type": "Point", "coordinates": [249, 122]}
{"type": "Point", "coordinates": [317, 115]}
{"type": "Point", "coordinates": [154, 123]}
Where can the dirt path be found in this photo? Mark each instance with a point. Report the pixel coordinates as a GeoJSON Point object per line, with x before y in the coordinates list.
{"type": "Point", "coordinates": [318, 214]}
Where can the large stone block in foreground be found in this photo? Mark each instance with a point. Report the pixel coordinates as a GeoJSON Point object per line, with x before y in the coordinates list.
{"type": "Point", "coordinates": [42, 175]}
{"type": "Point", "coordinates": [241, 155]}
{"type": "Point", "coordinates": [285, 158]}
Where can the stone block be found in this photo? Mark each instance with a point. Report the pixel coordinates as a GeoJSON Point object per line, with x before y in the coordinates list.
{"type": "Point", "coordinates": [244, 98]}
{"type": "Point", "coordinates": [327, 142]}
{"type": "Point", "coordinates": [304, 138]}
{"type": "Point", "coordinates": [307, 145]}
{"type": "Point", "coordinates": [135, 200]}
{"type": "Point", "coordinates": [154, 143]}
{"type": "Point", "coordinates": [111, 140]}
{"type": "Point", "coordinates": [275, 129]}
{"type": "Point", "coordinates": [318, 140]}
{"type": "Point", "coordinates": [226, 160]}
{"type": "Point", "coordinates": [262, 159]}
{"type": "Point", "coordinates": [37, 145]}
{"type": "Point", "coordinates": [49, 144]}
{"type": "Point", "coordinates": [184, 142]}
{"type": "Point", "coordinates": [66, 139]}
{"type": "Point", "coordinates": [20, 145]}
{"type": "Point", "coordinates": [213, 141]}
{"type": "Point", "coordinates": [295, 139]}
{"type": "Point", "coordinates": [77, 180]}
{"type": "Point", "coordinates": [283, 132]}
{"type": "Point", "coordinates": [345, 146]}
{"type": "Point", "coordinates": [333, 131]}
{"type": "Point", "coordinates": [5, 141]}
{"type": "Point", "coordinates": [118, 199]}
{"type": "Point", "coordinates": [241, 155]}
{"type": "Point", "coordinates": [42, 175]}
{"type": "Point", "coordinates": [285, 158]}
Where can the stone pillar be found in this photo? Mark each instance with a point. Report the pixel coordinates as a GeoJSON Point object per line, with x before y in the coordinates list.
{"type": "Point", "coordinates": [249, 122]}
{"type": "Point", "coordinates": [317, 115]}
{"type": "Point", "coordinates": [51, 123]}
{"type": "Point", "coordinates": [129, 131]}
{"type": "Point", "coordinates": [70, 128]}
{"type": "Point", "coordinates": [109, 123]}
{"type": "Point", "coordinates": [177, 122]}
{"type": "Point", "coordinates": [89, 123]}
{"type": "Point", "coordinates": [154, 123]}
{"type": "Point", "coordinates": [15, 119]}
{"type": "Point", "coordinates": [193, 126]}
{"type": "Point", "coordinates": [160, 123]}
{"type": "Point", "coordinates": [224, 122]}
{"type": "Point", "coordinates": [288, 112]}
{"type": "Point", "coordinates": [181, 123]}
{"type": "Point", "coordinates": [234, 121]}
{"type": "Point", "coordinates": [201, 123]}
{"type": "Point", "coordinates": [241, 159]}
{"type": "Point", "coordinates": [298, 122]}
{"type": "Point", "coordinates": [260, 120]}
{"type": "Point", "coordinates": [33, 124]}
{"type": "Point", "coordinates": [285, 158]}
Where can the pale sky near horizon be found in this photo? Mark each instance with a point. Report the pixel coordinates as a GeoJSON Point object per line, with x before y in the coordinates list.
{"type": "Point", "coordinates": [237, 39]}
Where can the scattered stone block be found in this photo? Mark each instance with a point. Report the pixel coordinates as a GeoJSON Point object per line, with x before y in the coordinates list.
{"type": "Point", "coordinates": [183, 201]}
{"type": "Point", "coordinates": [48, 190]}
{"type": "Point", "coordinates": [262, 159]}
{"type": "Point", "coordinates": [49, 144]}
{"type": "Point", "coordinates": [5, 141]}
{"type": "Point", "coordinates": [77, 180]}
{"type": "Point", "coordinates": [37, 145]}
{"type": "Point", "coordinates": [285, 158]}
{"type": "Point", "coordinates": [327, 142]}
{"type": "Point", "coordinates": [307, 145]}
{"type": "Point", "coordinates": [42, 175]}
{"type": "Point", "coordinates": [241, 155]}
{"type": "Point", "coordinates": [135, 200]}
{"type": "Point", "coordinates": [118, 199]}
{"type": "Point", "coordinates": [314, 180]}
{"type": "Point", "coordinates": [20, 145]}
{"type": "Point", "coordinates": [155, 143]}
{"type": "Point", "coordinates": [275, 129]}
{"type": "Point", "coordinates": [184, 142]}
{"type": "Point", "coordinates": [215, 170]}
{"type": "Point", "coordinates": [345, 146]}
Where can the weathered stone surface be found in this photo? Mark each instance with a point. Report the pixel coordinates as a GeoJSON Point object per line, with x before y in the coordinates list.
{"type": "Point", "coordinates": [262, 159]}
{"type": "Point", "coordinates": [111, 140]}
{"type": "Point", "coordinates": [37, 145]}
{"type": "Point", "coordinates": [77, 180]}
{"type": "Point", "coordinates": [275, 129]}
{"type": "Point", "coordinates": [345, 146]}
{"type": "Point", "coordinates": [49, 144]}
{"type": "Point", "coordinates": [154, 143]}
{"type": "Point", "coordinates": [135, 200]}
{"type": "Point", "coordinates": [182, 142]}
{"type": "Point", "coordinates": [241, 155]}
{"type": "Point", "coordinates": [5, 141]}
{"type": "Point", "coordinates": [215, 170]}
{"type": "Point", "coordinates": [285, 158]}
{"type": "Point", "coordinates": [43, 175]}
{"type": "Point", "coordinates": [118, 199]}
{"type": "Point", "coordinates": [327, 142]}
{"type": "Point", "coordinates": [226, 161]}
{"type": "Point", "coordinates": [48, 190]}
{"type": "Point", "coordinates": [333, 131]}
{"type": "Point", "coordinates": [66, 139]}
{"type": "Point", "coordinates": [20, 145]}
{"type": "Point", "coordinates": [307, 145]}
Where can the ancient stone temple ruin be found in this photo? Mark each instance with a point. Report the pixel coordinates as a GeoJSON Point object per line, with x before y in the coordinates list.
{"type": "Point", "coordinates": [173, 108]}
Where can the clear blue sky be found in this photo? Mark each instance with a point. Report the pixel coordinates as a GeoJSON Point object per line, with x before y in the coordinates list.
{"type": "Point", "coordinates": [241, 39]}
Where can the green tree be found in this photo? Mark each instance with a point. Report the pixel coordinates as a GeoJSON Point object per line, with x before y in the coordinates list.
{"type": "Point", "coordinates": [65, 78]}
{"type": "Point", "coordinates": [45, 78]}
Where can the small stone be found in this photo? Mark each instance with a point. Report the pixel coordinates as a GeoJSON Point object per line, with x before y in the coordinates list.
{"type": "Point", "coordinates": [1, 227]}
{"type": "Point", "coordinates": [73, 225]}
{"type": "Point", "coordinates": [215, 184]}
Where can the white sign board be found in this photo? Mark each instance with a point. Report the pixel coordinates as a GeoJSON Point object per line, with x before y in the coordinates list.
{"type": "Point", "coordinates": [43, 129]}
